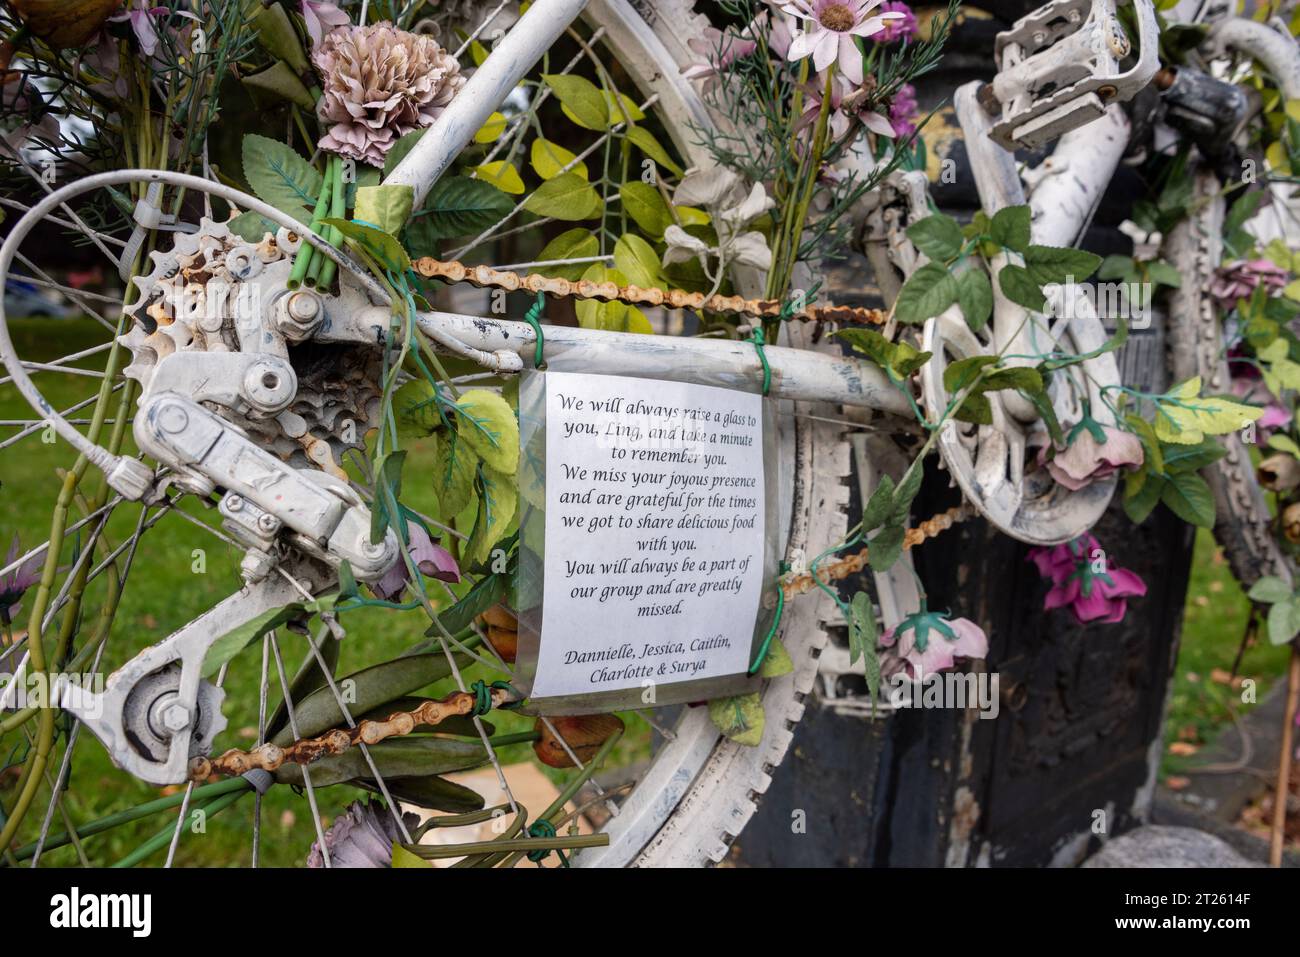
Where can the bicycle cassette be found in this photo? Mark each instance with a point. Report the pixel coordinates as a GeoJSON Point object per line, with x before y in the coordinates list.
{"type": "Point", "coordinates": [1061, 66]}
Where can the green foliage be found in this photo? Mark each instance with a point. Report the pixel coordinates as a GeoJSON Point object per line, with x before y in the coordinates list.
{"type": "Point", "coordinates": [456, 206]}
{"type": "Point", "coordinates": [280, 177]}
{"type": "Point", "coordinates": [739, 718]}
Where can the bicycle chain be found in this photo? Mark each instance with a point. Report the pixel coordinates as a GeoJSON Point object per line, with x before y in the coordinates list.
{"type": "Point", "coordinates": [852, 564]}
{"type": "Point", "coordinates": [269, 757]}
{"type": "Point", "coordinates": [486, 277]}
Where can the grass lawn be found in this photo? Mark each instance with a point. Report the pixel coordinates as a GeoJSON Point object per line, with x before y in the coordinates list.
{"type": "Point", "coordinates": [1213, 624]}
{"type": "Point", "coordinates": [168, 587]}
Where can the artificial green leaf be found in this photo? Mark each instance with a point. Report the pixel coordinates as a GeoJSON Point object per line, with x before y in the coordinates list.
{"type": "Point", "coordinates": [491, 130]}
{"type": "Point", "coordinates": [1056, 264]}
{"type": "Point", "coordinates": [395, 758]}
{"type": "Point", "coordinates": [739, 718]}
{"type": "Point", "coordinates": [280, 82]}
{"type": "Point", "coordinates": [1190, 499]}
{"type": "Point", "coordinates": [1270, 590]}
{"type": "Point", "coordinates": [550, 159]}
{"type": "Point", "coordinates": [1188, 458]}
{"type": "Point", "coordinates": [646, 206]}
{"type": "Point", "coordinates": [487, 424]}
{"type": "Point", "coordinates": [1018, 286]}
{"type": "Point", "coordinates": [456, 206]}
{"type": "Point", "coordinates": [975, 295]}
{"type": "Point", "coordinates": [637, 260]}
{"type": "Point", "coordinates": [864, 630]}
{"type": "Point", "coordinates": [381, 245]}
{"type": "Point", "coordinates": [568, 197]}
{"type": "Point", "coordinates": [928, 291]}
{"type": "Point", "coordinates": [388, 206]}
{"type": "Point", "coordinates": [252, 227]}
{"type": "Point", "coordinates": [501, 174]}
{"type": "Point", "coordinates": [610, 316]}
{"type": "Point", "coordinates": [1116, 266]}
{"type": "Point", "coordinates": [1282, 622]}
{"type": "Point", "coordinates": [225, 648]}
{"type": "Point", "coordinates": [1009, 228]}
{"type": "Point", "coordinates": [397, 152]}
{"type": "Point", "coordinates": [879, 506]}
{"type": "Point", "coordinates": [583, 101]}
{"type": "Point", "coordinates": [277, 36]}
{"type": "Point", "coordinates": [416, 408]}
{"type": "Point", "coordinates": [938, 236]}
{"type": "Point", "coordinates": [1148, 489]}
{"type": "Point", "coordinates": [454, 469]}
{"type": "Point", "coordinates": [885, 547]}
{"type": "Point", "coordinates": [1023, 378]}
{"type": "Point", "coordinates": [622, 109]}
{"type": "Point", "coordinates": [280, 177]}
{"type": "Point", "coordinates": [644, 140]}
{"type": "Point", "coordinates": [975, 408]}
{"type": "Point", "coordinates": [496, 507]}
{"type": "Point", "coordinates": [963, 373]}
{"type": "Point", "coordinates": [1184, 417]}
{"type": "Point", "coordinates": [576, 243]}
{"type": "Point", "coordinates": [1164, 274]}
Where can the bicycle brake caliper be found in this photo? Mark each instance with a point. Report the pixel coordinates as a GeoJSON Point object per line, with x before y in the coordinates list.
{"type": "Point", "coordinates": [1060, 66]}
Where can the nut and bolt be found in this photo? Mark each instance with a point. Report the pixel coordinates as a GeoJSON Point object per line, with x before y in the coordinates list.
{"type": "Point", "coordinates": [234, 503]}
{"type": "Point", "coordinates": [267, 522]}
{"type": "Point", "coordinates": [175, 717]}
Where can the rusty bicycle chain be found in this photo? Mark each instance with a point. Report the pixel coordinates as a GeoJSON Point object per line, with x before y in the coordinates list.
{"type": "Point", "coordinates": [485, 277]}
{"type": "Point", "coordinates": [268, 756]}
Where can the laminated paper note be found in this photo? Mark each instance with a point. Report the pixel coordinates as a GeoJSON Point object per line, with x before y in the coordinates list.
{"type": "Point", "coordinates": [654, 533]}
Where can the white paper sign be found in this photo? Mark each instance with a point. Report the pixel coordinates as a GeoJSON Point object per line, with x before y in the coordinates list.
{"type": "Point", "coordinates": [654, 533]}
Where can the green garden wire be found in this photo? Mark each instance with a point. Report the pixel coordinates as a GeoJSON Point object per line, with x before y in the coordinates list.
{"type": "Point", "coordinates": [544, 828]}
{"type": "Point", "coordinates": [532, 317]}
{"type": "Point", "coordinates": [483, 697]}
{"type": "Point", "coordinates": [776, 621]}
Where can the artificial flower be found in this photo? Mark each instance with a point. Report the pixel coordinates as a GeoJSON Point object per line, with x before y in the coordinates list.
{"type": "Point", "coordinates": [903, 111]}
{"type": "Point", "coordinates": [846, 103]}
{"type": "Point", "coordinates": [15, 583]}
{"type": "Point", "coordinates": [141, 16]}
{"type": "Point", "coordinates": [926, 642]}
{"type": "Point", "coordinates": [719, 49]}
{"type": "Point", "coordinates": [1237, 280]}
{"type": "Point", "coordinates": [1093, 452]}
{"type": "Point", "coordinates": [379, 84]}
{"type": "Point", "coordinates": [362, 837]}
{"type": "Point", "coordinates": [1091, 595]}
{"type": "Point", "coordinates": [24, 114]}
{"type": "Point", "coordinates": [904, 29]}
{"type": "Point", "coordinates": [321, 17]}
{"type": "Point", "coordinates": [431, 559]}
{"type": "Point", "coordinates": [829, 29]}
{"type": "Point", "coordinates": [732, 208]}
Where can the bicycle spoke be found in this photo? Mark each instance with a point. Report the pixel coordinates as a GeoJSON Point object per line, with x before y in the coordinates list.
{"type": "Point", "coordinates": [306, 770]}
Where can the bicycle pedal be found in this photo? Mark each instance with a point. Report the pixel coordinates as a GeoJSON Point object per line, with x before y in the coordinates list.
{"type": "Point", "coordinates": [1060, 66]}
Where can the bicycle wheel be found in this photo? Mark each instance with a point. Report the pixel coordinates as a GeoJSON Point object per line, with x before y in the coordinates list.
{"type": "Point", "coordinates": [692, 791]}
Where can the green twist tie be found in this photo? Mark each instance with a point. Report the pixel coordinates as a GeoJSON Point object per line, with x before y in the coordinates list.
{"type": "Point", "coordinates": [483, 697]}
{"type": "Point", "coordinates": [531, 317]}
{"type": "Point", "coordinates": [544, 828]}
{"type": "Point", "coordinates": [776, 622]}
{"type": "Point", "coordinates": [759, 340]}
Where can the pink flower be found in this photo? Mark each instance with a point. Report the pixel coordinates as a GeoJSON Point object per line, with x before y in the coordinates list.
{"type": "Point", "coordinates": [15, 584]}
{"type": "Point", "coordinates": [904, 29]}
{"type": "Point", "coordinates": [321, 18]}
{"type": "Point", "coordinates": [1238, 280]}
{"type": "Point", "coordinates": [846, 102]}
{"type": "Point", "coordinates": [1086, 460]}
{"type": "Point", "coordinates": [1247, 385]}
{"type": "Point", "coordinates": [432, 560]}
{"type": "Point", "coordinates": [142, 17]}
{"type": "Point", "coordinates": [926, 642]}
{"type": "Point", "coordinates": [719, 49]}
{"type": "Point", "coordinates": [1089, 594]}
{"type": "Point", "coordinates": [903, 111]}
{"type": "Point", "coordinates": [24, 114]}
{"type": "Point", "coordinates": [830, 29]}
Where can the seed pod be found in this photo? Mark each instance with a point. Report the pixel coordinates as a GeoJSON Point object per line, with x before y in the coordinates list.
{"type": "Point", "coordinates": [64, 23]}
{"type": "Point", "coordinates": [1279, 473]}
{"type": "Point", "coordinates": [1291, 523]}
{"type": "Point", "coordinates": [584, 734]}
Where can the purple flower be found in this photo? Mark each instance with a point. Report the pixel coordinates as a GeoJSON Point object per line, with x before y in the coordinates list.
{"type": "Point", "coordinates": [1237, 280]}
{"type": "Point", "coordinates": [829, 31]}
{"type": "Point", "coordinates": [363, 837]}
{"type": "Point", "coordinates": [903, 111]}
{"type": "Point", "coordinates": [926, 642]}
{"type": "Point", "coordinates": [15, 584]}
{"type": "Point", "coordinates": [321, 18]}
{"type": "Point", "coordinates": [904, 29]}
{"type": "Point", "coordinates": [431, 559]}
{"type": "Point", "coordinates": [1091, 595]}
{"type": "Point", "coordinates": [1086, 460]}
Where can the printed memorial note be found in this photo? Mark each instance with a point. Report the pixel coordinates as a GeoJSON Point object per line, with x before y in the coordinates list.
{"type": "Point", "coordinates": [654, 533]}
